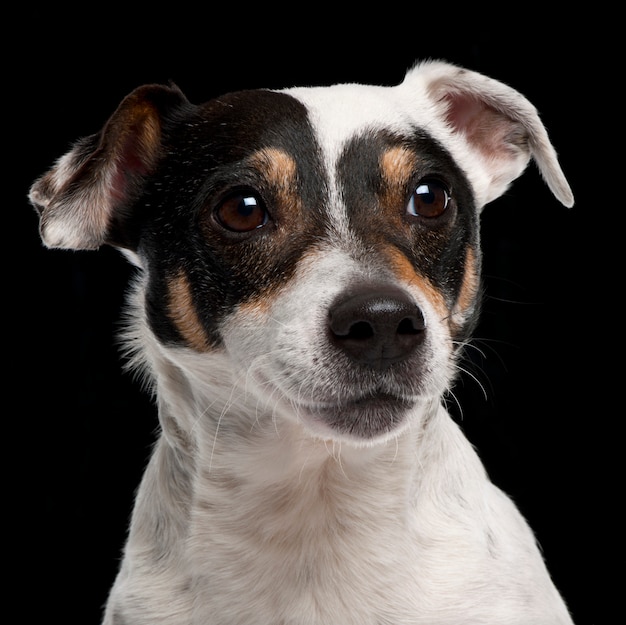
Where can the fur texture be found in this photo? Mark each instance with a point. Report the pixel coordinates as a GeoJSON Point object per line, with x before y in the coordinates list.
{"type": "Point", "coordinates": [308, 272]}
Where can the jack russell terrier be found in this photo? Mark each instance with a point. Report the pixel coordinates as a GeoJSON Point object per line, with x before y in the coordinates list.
{"type": "Point", "coordinates": [308, 274]}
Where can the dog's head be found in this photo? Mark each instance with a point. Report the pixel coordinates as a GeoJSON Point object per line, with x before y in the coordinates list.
{"type": "Point", "coordinates": [322, 243]}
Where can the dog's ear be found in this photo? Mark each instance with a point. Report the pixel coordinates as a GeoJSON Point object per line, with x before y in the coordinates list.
{"type": "Point", "coordinates": [82, 200]}
{"type": "Point", "coordinates": [494, 128]}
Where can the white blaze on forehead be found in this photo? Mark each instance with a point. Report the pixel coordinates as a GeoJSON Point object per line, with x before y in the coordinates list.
{"type": "Point", "coordinates": [341, 112]}
{"type": "Point", "coordinates": [338, 114]}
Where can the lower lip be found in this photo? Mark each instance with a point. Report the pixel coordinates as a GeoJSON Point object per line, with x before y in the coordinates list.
{"type": "Point", "coordinates": [365, 418]}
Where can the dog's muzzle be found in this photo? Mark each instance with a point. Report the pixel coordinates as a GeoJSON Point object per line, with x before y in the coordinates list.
{"type": "Point", "coordinates": [354, 372]}
{"type": "Point", "coordinates": [376, 332]}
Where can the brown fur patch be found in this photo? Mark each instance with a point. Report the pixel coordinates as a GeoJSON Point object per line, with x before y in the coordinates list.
{"type": "Point", "coordinates": [257, 306]}
{"type": "Point", "coordinates": [280, 171]}
{"type": "Point", "coordinates": [149, 132]}
{"type": "Point", "coordinates": [183, 313]}
{"type": "Point", "coordinates": [397, 167]}
{"type": "Point", "coordinates": [469, 289]}
{"type": "Point", "coordinates": [137, 137]}
{"type": "Point", "coordinates": [405, 272]}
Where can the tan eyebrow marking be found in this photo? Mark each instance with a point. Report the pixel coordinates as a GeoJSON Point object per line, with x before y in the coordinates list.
{"type": "Point", "coordinates": [278, 165]}
{"type": "Point", "coordinates": [397, 165]}
{"type": "Point", "coordinates": [397, 168]}
{"type": "Point", "coordinates": [281, 172]}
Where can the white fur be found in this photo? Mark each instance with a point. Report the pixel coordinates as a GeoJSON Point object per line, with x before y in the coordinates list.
{"type": "Point", "coordinates": [73, 227]}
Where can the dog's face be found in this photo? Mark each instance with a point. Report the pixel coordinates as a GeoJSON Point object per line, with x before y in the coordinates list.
{"type": "Point", "coordinates": [337, 283]}
{"type": "Point", "coordinates": [323, 242]}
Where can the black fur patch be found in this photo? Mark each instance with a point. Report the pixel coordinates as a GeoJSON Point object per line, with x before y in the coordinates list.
{"type": "Point", "coordinates": [210, 150]}
{"type": "Point", "coordinates": [207, 155]}
{"type": "Point", "coordinates": [436, 248]}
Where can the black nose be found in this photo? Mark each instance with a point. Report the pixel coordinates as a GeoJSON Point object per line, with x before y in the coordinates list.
{"type": "Point", "coordinates": [376, 326]}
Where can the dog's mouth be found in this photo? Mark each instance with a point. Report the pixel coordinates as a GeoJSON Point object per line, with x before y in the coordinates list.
{"type": "Point", "coordinates": [373, 413]}
{"type": "Point", "coordinates": [367, 417]}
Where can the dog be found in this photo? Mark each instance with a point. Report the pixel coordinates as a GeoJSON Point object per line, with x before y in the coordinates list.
{"type": "Point", "coordinates": [307, 278]}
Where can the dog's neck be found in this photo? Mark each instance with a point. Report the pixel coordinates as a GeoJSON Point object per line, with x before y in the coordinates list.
{"type": "Point", "coordinates": [276, 482]}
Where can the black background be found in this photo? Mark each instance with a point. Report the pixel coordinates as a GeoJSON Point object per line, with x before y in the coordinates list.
{"type": "Point", "coordinates": [84, 429]}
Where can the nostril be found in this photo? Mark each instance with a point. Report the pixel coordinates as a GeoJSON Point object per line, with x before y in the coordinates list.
{"type": "Point", "coordinates": [411, 325]}
{"type": "Point", "coordinates": [360, 330]}
{"type": "Point", "coordinates": [376, 325]}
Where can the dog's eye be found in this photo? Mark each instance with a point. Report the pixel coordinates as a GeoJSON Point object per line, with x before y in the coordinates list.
{"type": "Point", "coordinates": [243, 211]}
{"type": "Point", "coordinates": [430, 199]}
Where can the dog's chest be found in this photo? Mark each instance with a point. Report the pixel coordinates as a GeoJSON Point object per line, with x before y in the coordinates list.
{"type": "Point", "coordinates": [320, 543]}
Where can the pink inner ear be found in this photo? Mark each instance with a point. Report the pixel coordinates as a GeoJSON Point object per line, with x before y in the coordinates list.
{"type": "Point", "coordinates": [463, 111]}
{"type": "Point", "coordinates": [487, 129]}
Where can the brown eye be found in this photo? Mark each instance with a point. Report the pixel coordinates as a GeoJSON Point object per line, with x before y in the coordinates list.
{"type": "Point", "coordinates": [430, 199]}
{"type": "Point", "coordinates": [242, 212]}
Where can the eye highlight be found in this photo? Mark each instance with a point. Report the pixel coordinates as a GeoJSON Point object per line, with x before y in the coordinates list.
{"type": "Point", "coordinates": [430, 199]}
{"type": "Point", "coordinates": [242, 211]}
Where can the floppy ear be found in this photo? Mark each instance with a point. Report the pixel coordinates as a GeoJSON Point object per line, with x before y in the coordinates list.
{"type": "Point", "coordinates": [495, 130]}
{"type": "Point", "coordinates": [83, 200]}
